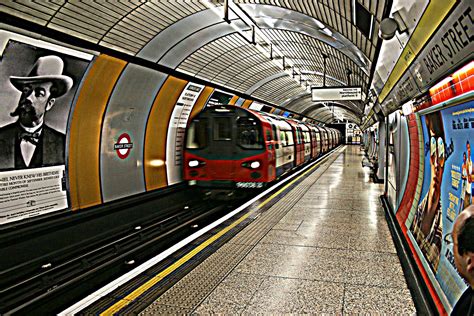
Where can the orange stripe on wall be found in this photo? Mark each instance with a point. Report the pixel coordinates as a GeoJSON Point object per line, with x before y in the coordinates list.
{"type": "Point", "coordinates": [201, 101]}
{"type": "Point", "coordinates": [233, 100]}
{"type": "Point", "coordinates": [156, 132]}
{"type": "Point", "coordinates": [84, 133]}
{"type": "Point", "coordinates": [247, 104]}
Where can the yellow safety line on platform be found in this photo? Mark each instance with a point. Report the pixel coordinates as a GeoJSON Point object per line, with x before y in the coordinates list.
{"type": "Point", "coordinates": [150, 283]}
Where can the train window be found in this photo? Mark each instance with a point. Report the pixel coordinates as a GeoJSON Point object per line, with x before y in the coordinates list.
{"type": "Point", "coordinates": [283, 138]}
{"type": "Point", "coordinates": [298, 136]}
{"type": "Point", "coordinates": [197, 134]}
{"type": "Point", "coordinates": [307, 138]}
{"type": "Point", "coordinates": [269, 136]}
{"type": "Point", "coordinates": [222, 128]}
{"type": "Point", "coordinates": [289, 138]}
{"type": "Point", "coordinates": [250, 135]}
{"type": "Point", "coordinates": [275, 135]}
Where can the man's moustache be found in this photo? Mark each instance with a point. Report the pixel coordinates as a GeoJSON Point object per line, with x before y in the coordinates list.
{"type": "Point", "coordinates": [16, 112]}
{"type": "Point", "coordinates": [19, 108]}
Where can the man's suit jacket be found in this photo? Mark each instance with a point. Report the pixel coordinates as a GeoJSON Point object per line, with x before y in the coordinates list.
{"type": "Point", "coordinates": [48, 152]}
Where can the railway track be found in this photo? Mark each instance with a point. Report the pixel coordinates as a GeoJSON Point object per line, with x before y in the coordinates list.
{"type": "Point", "coordinates": [49, 266]}
{"type": "Point", "coordinates": [46, 282]}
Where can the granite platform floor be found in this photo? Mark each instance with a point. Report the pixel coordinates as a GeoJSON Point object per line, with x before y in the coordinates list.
{"type": "Point", "coordinates": [331, 253]}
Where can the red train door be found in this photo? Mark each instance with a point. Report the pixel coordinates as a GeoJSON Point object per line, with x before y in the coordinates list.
{"type": "Point", "coordinates": [299, 146]}
{"type": "Point", "coordinates": [271, 155]}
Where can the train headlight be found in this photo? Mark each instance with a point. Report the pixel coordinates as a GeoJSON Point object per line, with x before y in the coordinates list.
{"type": "Point", "coordinates": [251, 165]}
{"type": "Point", "coordinates": [193, 163]}
{"type": "Point", "coordinates": [254, 164]}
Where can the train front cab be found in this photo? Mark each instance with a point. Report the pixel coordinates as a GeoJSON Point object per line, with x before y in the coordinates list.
{"type": "Point", "coordinates": [227, 146]}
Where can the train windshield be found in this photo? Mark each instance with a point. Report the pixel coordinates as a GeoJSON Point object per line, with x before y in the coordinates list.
{"type": "Point", "coordinates": [249, 133]}
{"type": "Point", "coordinates": [197, 134]}
{"type": "Point", "coordinates": [222, 128]}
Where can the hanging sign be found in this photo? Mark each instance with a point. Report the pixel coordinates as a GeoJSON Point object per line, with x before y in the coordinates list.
{"type": "Point", "coordinates": [336, 93]}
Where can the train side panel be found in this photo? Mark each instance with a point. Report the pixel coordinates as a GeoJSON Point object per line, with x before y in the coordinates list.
{"type": "Point", "coordinates": [306, 137]}
{"type": "Point", "coordinates": [287, 149]}
{"type": "Point", "coordinates": [298, 143]}
{"type": "Point", "coordinates": [324, 140]}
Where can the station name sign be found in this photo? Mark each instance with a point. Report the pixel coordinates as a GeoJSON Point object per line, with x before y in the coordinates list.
{"type": "Point", "coordinates": [336, 93]}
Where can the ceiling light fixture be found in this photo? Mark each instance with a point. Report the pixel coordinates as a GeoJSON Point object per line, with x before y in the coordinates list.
{"type": "Point", "coordinates": [389, 26]}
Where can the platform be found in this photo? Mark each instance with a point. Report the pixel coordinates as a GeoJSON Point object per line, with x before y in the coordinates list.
{"type": "Point", "coordinates": [323, 247]}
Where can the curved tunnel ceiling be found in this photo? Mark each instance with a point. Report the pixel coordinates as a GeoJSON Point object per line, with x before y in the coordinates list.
{"type": "Point", "coordinates": [192, 37]}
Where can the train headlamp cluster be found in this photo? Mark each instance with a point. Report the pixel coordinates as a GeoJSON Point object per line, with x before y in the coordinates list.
{"type": "Point", "coordinates": [195, 163]}
{"type": "Point", "coordinates": [251, 164]}
{"type": "Point", "coordinates": [254, 164]}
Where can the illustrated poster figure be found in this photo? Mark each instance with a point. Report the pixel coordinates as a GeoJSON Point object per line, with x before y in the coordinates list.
{"type": "Point", "coordinates": [464, 182]}
{"type": "Point", "coordinates": [468, 177]}
{"type": "Point", "coordinates": [427, 226]}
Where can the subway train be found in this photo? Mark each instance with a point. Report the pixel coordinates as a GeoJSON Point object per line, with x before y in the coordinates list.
{"type": "Point", "coordinates": [230, 148]}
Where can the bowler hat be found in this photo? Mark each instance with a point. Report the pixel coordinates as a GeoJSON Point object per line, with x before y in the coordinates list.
{"type": "Point", "coordinates": [46, 69]}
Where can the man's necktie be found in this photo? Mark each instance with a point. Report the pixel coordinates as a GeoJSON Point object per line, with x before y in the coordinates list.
{"type": "Point", "coordinates": [30, 137]}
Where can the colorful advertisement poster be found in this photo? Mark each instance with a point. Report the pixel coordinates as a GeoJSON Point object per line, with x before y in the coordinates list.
{"type": "Point", "coordinates": [37, 87]}
{"type": "Point", "coordinates": [445, 193]}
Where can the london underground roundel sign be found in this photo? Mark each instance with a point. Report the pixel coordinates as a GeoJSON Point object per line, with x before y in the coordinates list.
{"type": "Point", "coordinates": [123, 146]}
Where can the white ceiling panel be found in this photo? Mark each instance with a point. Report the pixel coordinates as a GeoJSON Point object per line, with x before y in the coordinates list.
{"type": "Point", "coordinates": [192, 37]}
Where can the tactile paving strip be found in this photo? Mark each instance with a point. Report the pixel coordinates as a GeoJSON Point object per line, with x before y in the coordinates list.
{"type": "Point", "coordinates": [191, 290]}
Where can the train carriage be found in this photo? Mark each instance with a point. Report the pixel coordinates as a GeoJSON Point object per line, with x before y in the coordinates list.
{"type": "Point", "coordinates": [332, 138]}
{"type": "Point", "coordinates": [306, 139]}
{"type": "Point", "coordinates": [229, 147]}
{"type": "Point", "coordinates": [298, 140]}
{"type": "Point", "coordinates": [324, 139]}
{"type": "Point", "coordinates": [283, 144]}
{"type": "Point", "coordinates": [315, 142]}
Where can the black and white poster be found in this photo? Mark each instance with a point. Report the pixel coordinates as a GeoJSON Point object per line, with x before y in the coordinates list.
{"type": "Point", "coordinates": [37, 87]}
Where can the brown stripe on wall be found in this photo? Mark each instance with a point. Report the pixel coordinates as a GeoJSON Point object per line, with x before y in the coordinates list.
{"type": "Point", "coordinates": [233, 100]}
{"type": "Point", "coordinates": [156, 132]}
{"type": "Point", "coordinates": [86, 126]}
{"type": "Point", "coordinates": [247, 104]}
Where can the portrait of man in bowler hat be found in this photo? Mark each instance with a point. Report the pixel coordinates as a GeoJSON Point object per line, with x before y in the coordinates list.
{"type": "Point", "coordinates": [29, 142]}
